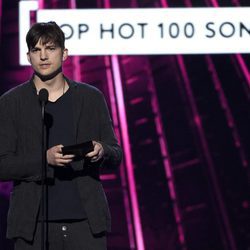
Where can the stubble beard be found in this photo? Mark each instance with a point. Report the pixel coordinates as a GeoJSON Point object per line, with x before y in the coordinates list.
{"type": "Point", "coordinates": [50, 76]}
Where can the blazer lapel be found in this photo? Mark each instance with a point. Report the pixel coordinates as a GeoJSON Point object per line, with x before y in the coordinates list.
{"type": "Point", "coordinates": [35, 109]}
{"type": "Point", "coordinates": [77, 101]}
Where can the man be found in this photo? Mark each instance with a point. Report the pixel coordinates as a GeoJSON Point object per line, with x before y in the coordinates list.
{"type": "Point", "coordinates": [78, 215]}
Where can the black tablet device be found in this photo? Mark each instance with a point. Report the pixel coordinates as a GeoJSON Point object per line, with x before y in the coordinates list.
{"type": "Point", "coordinates": [79, 150]}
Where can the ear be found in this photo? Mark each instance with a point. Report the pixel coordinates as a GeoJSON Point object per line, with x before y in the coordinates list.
{"type": "Point", "coordinates": [28, 57]}
{"type": "Point", "coordinates": [65, 54]}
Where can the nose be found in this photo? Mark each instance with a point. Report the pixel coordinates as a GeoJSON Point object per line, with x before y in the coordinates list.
{"type": "Point", "coordinates": [43, 55]}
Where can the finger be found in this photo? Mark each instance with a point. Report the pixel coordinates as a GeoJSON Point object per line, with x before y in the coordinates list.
{"type": "Point", "coordinates": [61, 156]}
{"type": "Point", "coordinates": [64, 161]}
{"type": "Point", "coordinates": [94, 159]}
{"type": "Point", "coordinates": [58, 155]}
{"type": "Point", "coordinates": [60, 165]}
{"type": "Point", "coordinates": [59, 148]}
{"type": "Point", "coordinates": [68, 156]}
{"type": "Point", "coordinates": [92, 154]}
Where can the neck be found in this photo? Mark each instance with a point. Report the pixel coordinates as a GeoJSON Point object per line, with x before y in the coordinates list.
{"type": "Point", "coordinates": [56, 86]}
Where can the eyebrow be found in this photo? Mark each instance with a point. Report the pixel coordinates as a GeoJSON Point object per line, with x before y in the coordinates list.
{"type": "Point", "coordinates": [46, 46]}
{"type": "Point", "coordinates": [50, 45]}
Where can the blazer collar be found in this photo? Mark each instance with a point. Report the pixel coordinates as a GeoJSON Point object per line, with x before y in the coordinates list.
{"type": "Point", "coordinates": [77, 102]}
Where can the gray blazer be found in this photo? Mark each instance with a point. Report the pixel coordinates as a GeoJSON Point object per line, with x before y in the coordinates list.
{"type": "Point", "coordinates": [20, 154]}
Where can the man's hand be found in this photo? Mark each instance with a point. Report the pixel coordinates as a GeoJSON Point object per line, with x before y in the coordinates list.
{"type": "Point", "coordinates": [97, 153]}
{"type": "Point", "coordinates": [56, 158]}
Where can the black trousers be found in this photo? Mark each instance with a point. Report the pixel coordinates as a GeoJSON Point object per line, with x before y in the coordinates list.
{"type": "Point", "coordinates": [65, 236]}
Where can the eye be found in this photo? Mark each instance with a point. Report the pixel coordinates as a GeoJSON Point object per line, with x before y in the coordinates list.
{"type": "Point", "coordinates": [34, 50]}
{"type": "Point", "coordinates": [52, 48]}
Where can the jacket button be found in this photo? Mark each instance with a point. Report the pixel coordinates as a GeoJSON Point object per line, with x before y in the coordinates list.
{"type": "Point", "coordinates": [64, 228]}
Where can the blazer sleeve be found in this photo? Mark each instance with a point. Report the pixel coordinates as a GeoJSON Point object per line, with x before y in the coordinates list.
{"type": "Point", "coordinates": [13, 165]}
{"type": "Point", "coordinates": [112, 149]}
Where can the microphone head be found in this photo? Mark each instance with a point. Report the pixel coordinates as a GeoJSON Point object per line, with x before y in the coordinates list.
{"type": "Point", "coordinates": [43, 95]}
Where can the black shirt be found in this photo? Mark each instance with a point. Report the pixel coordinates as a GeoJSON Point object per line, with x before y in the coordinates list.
{"type": "Point", "coordinates": [63, 195]}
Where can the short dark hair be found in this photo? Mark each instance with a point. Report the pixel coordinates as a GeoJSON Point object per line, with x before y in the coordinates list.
{"type": "Point", "coordinates": [47, 32]}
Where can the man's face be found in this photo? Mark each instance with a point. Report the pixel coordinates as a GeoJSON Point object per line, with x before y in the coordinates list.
{"type": "Point", "coordinates": [46, 59]}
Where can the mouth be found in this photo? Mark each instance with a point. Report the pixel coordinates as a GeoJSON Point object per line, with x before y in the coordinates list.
{"type": "Point", "coordinates": [44, 65]}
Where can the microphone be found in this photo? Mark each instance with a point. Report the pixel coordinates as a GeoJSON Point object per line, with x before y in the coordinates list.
{"type": "Point", "coordinates": [43, 96]}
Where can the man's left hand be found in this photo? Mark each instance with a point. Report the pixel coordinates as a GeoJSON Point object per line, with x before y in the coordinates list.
{"type": "Point", "coordinates": [97, 153]}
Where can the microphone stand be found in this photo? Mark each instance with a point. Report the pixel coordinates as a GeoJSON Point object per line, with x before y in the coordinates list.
{"type": "Point", "coordinates": [44, 194]}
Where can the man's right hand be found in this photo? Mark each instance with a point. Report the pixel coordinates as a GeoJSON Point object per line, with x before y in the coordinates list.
{"type": "Point", "coordinates": [56, 158]}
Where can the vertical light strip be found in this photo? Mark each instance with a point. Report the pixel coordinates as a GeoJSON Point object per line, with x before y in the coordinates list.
{"type": "Point", "coordinates": [111, 91]}
{"type": "Point", "coordinates": [215, 3]}
{"type": "Point", "coordinates": [124, 183]}
{"type": "Point", "coordinates": [244, 69]}
{"type": "Point", "coordinates": [41, 4]}
{"type": "Point", "coordinates": [1, 13]}
{"type": "Point", "coordinates": [127, 152]}
{"type": "Point", "coordinates": [76, 59]}
{"type": "Point", "coordinates": [225, 106]}
{"type": "Point", "coordinates": [126, 148]}
{"type": "Point", "coordinates": [166, 162]}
